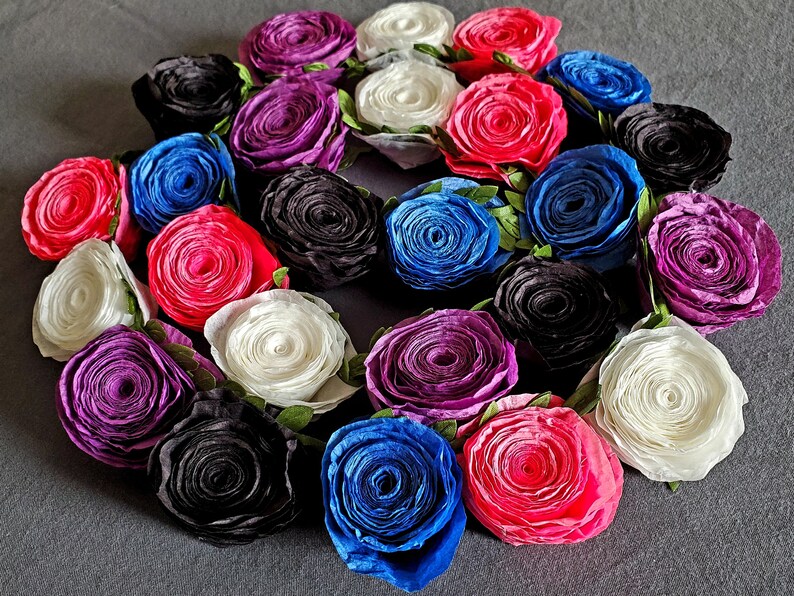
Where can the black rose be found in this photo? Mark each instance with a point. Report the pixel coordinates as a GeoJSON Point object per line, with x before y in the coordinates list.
{"type": "Point", "coordinates": [677, 148]}
{"type": "Point", "coordinates": [326, 230]}
{"type": "Point", "coordinates": [189, 94]}
{"type": "Point", "coordinates": [228, 471]}
{"type": "Point", "coordinates": [562, 315]}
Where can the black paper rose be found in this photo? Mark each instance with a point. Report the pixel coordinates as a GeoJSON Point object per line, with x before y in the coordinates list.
{"type": "Point", "coordinates": [327, 230]}
{"type": "Point", "coordinates": [189, 94]}
{"type": "Point", "coordinates": [677, 148]}
{"type": "Point", "coordinates": [562, 315]}
{"type": "Point", "coordinates": [227, 472]}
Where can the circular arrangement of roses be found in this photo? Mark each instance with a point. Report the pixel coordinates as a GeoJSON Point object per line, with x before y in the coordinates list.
{"type": "Point", "coordinates": [571, 258]}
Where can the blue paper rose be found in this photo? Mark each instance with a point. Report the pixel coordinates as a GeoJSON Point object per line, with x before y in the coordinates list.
{"type": "Point", "coordinates": [609, 84]}
{"type": "Point", "coordinates": [584, 205]}
{"type": "Point", "coordinates": [179, 175]}
{"type": "Point", "coordinates": [442, 235]}
{"type": "Point", "coordinates": [392, 495]}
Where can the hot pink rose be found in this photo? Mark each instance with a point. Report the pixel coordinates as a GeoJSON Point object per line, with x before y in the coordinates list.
{"type": "Point", "coordinates": [540, 476]}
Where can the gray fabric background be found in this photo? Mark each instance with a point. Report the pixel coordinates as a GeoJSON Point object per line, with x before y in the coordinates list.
{"type": "Point", "coordinates": [69, 525]}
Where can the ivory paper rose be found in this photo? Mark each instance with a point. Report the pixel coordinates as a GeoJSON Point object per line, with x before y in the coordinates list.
{"type": "Point", "coordinates": [91, 290]}
{"type": "Point", "coordinates": [284, 347]}
{"type": "Point", "coordinates": [670, 404]}
{"type": "Point", "coordinates": [401, 25]}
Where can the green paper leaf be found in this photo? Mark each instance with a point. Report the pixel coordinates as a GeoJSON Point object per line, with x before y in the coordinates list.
{"type": "Point", "coordinates": [646, 210]}
{"type": "Point", "coordinates": [114, 225]}
{"type": "Point", "coordinates": [459, 55]}
{"type": "Point", "coordinates": [352, 151]}
{"type": "Point", "coordinates": [255, 401]}
{"type": "Point", "coordinates": [491, 411]}
{"type": "Point", "coordinates": [482, 304]}
{"type": "Point", "coordinates": [389, 205]}
{"type": "Point", "coordinates": [426, 48]}
{"type": "Point", "coordinates": [384, 413]}
{"type": "Point", "coordinates": [346, 104]}
{"type": "Point", "coordinates": [657, 320]}
{"type": "Point", "coordinates": [389, 130]}
{"type": "Point", "coordinates": [310, 442]}
{"type": "Point", "coordinates": [380, 332]}
{"type": "Point", "coordinates": [483, 194]}
{"type": "Point", "coordinates": [519, 181]}
{"type": "Point", "coordinates": [427, 311]}
{"type": "Point", "coordinates": [222, 127]}
{"type": "Point", "coordinates": [585, 398]}
{"type": "Point", "coordinates": [541, 401]}
{"type": "Point", "coordinates": [446, 428]}
{"type": "Point", "coordinates": [526, 244]}
{"type": "Point", "coordinates": [279, 275]}
{"type": "Point", "coordinates": [182, 355]}
{"type": "Point", "coordinates": [295, 418]}
{"type": "Point", "coordinates": [155, 331]}
{"type": "Point", "coordinates": [505, 59]}
{"type": "Point", "coordinates": [421, 129]}
{"type": "Point", "coordinates": [132, 304]}
{"type": "Point", "coordinates": [506, 240]}
{"type": "Point", "coordinates": [446, 142]}
{"type": "Point", "coordinates": [334, 315]}
{"type": "Point", "coordinates": [431, 188]}
{"type": "Point", "coordinates": [581, 100]}
{"type": "Point", "coordinates": [368, 129]}
{"type": "Point", "coordinates": [315, 67]}
{"type": "Point", "coordinates": [675, 485]}
{"type": "Point", "coordinates": [516, 200]}
{"type": "Point", "coordinates": [363, 192]}
{"type": "Point", "coordinates": [352, 122]}
{"type": "Point", "coordinates": [234, 387]}
{"type": "Point", "coordinates": [203, 379]}
{"type": "Point", "coordinates": [543, 252]}
{"type": "Point", "coordinates": [356, 366]}
{"type": "Point", "coordinates": [501, 212]}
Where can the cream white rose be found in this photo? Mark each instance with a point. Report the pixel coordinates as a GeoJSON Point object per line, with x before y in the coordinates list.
{"type": "Point", "coordinates": [283, 346]}
{"type": "Point", "coordinates": [86, 294]}
{"type": "Point", "coordinates": [399, 26]}
{"type": "Point", "coordinates": [670, 404]}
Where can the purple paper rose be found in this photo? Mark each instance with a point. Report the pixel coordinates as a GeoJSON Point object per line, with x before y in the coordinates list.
{"type": "Point", "coordinates": [292, 121]}
{"type": "Point", "coordinates": [715, 262]}
{"type": "Point", "coordinates": [446, 365]}
{"type": "Point", "coordinates": [123, 391]}
{"type": "Point", "coordinates": [314, 42]}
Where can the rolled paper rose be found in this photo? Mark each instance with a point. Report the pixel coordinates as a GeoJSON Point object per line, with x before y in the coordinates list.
{"type": "Point", "coordinates": [228, 472]}
{"type": "Point", "coordinates": [677, 148]}
{"type": "Point", "coordinates": [326, 230]}
{"type": "Point", "coordinates": [402, 25]}
{"type": "Point", "coordinates": [120, 394]}
{"type": "Point", "coordinates": [715, 262]}
{"type": "Point", "coordinates": [204, 260]}
{"type": "Point", "coordinates": [179, 175]}
{"type": "Point", "coordinates": [541, 476]}
{"type": "Point", "coordinates": [446, 365]}
{"type": "Point", "coordinates": [392, 495]}
{"type": "Point", "coordinates": [562, 315]}
{"type": "Point", "coordinates": [670, 405]}
{"type": "Point", "coordinates": [189, 94]}
{"type": "Point", "coordinates": [91, 289]}
{"type": "Point", "coordinates": [503, 121]}
{"type": "Point", "coordinates": [293, 121]}
{"type": "Point", "coordinates": [609, 85]}
{"type": "Point", "coordinates": [314, 42]}
{"type": "Point", "coordinates": [79, 199]}
{"type": "Point", "coordinates": [522, 34]}
{"type": "Point", "coordinates": [283, 346]}
{"type": "Point", "coordinates": [584, 205]}
{"type": "Point", "coordinates": [439, 239]}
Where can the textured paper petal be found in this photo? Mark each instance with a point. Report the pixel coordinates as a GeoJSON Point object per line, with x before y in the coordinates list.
{"type": "Point", "coordinates": [406, 150]}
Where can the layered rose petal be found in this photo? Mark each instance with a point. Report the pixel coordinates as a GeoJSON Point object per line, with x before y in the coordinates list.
{"type": "Point", "coordinates": [79, 199]}
{"type": "Point", "coordinates": [402, 25]}
{"type": "Point", "coordinates": [715, 262]}
{"type": "Point", "coordinates": [541, 476]}
{"type": "Point", "coordinates": [447, 365]}
{"type": "Point", "coordinates": [204, 260]}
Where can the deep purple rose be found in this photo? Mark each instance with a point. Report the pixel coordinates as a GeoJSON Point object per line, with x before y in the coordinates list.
{"type": "Point", "coordinates": [292, 121]}
{"type": "Point", "coordinates": [715, 262]}
{"type": "Point", "coordinates": [121, 393]}
{"type": "Point", "coordinates": [446, 365]}
{"type": "Point", "coordinates": [309, 41]}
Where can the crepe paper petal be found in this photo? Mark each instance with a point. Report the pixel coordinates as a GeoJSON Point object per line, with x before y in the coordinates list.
{"type": "Point", "coordinates": [189, 94]}
{"type": "Point", "coordinates": [204, 260]}
{"type": "Point", "coordinates": [179, 175]}
{"type": "Point", "coordinates": [677, 148]}
{"type": "Point", "coordinates": [406, 150]}
{"type": "Point", "coordinates": [292, 43]}
{"type": "Point", "coordinates": [293, 121]}
{"type": "Point", "coordinates": [120, 394]}
{"type": "Point", "coordinates": [446, 365]}
{"type": "Point", "coordinates": [715, 262]}
{"type": "Point", "coordinates": [584, 205]}
{"type": "Point", "coordinates": [438, 239]}
{"type": "Point", "coordinates": [284, 347]}
{"type": "Point", "coordinates": [541, 476]}
{"type": "Point", "coordinates": [392, 495]}
{"type": "Point", "coordinates": [228, 472]}
{"type": "Point", "coordinates": [526, 37]}
{"type": "Point", "coordinates": [504, 120]}
{"type": "Point", "coordinates": [562, 315]}
{"type": "Point", "coordinates": [670, 405]}
{"type": "Point", "coordinates": [79, 199]}
{"type": "Point", "coordinates": [91, 289]}
{"type": "Point", "coordinates": [607, 84]}
{"type": "Point", "coordinates": [401, 26]}
{"type": "Point", "coordinates": [326, 230]}
{"type": "Point", "coordinates": [508, 403]}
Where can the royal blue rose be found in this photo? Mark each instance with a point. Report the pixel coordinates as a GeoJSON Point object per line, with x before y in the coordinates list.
{"type": "Point", "coordinates": [392, 495]}
{"type": "Point", "coordinates": [179, 175]}
{"type": "Point", "coordinates": [584, 205]}
{"type": "Point", "coordinates": [608, 84]}
{"type": "Point", "coordinates": [439, 239]}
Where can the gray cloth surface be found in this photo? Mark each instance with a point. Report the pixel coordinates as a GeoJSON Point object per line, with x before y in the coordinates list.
{"type": "Point", "coordinates": [71, 525]}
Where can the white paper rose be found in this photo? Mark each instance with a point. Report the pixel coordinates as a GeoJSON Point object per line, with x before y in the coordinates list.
{"type": "Point", "coordinates": [399, 26]}
{"type": "Point", "coordinates": [670, 404]}
{"type": "Point", "coordinates": [283, 346]}
{"type": "Point", "coordinates": [86, 294]}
